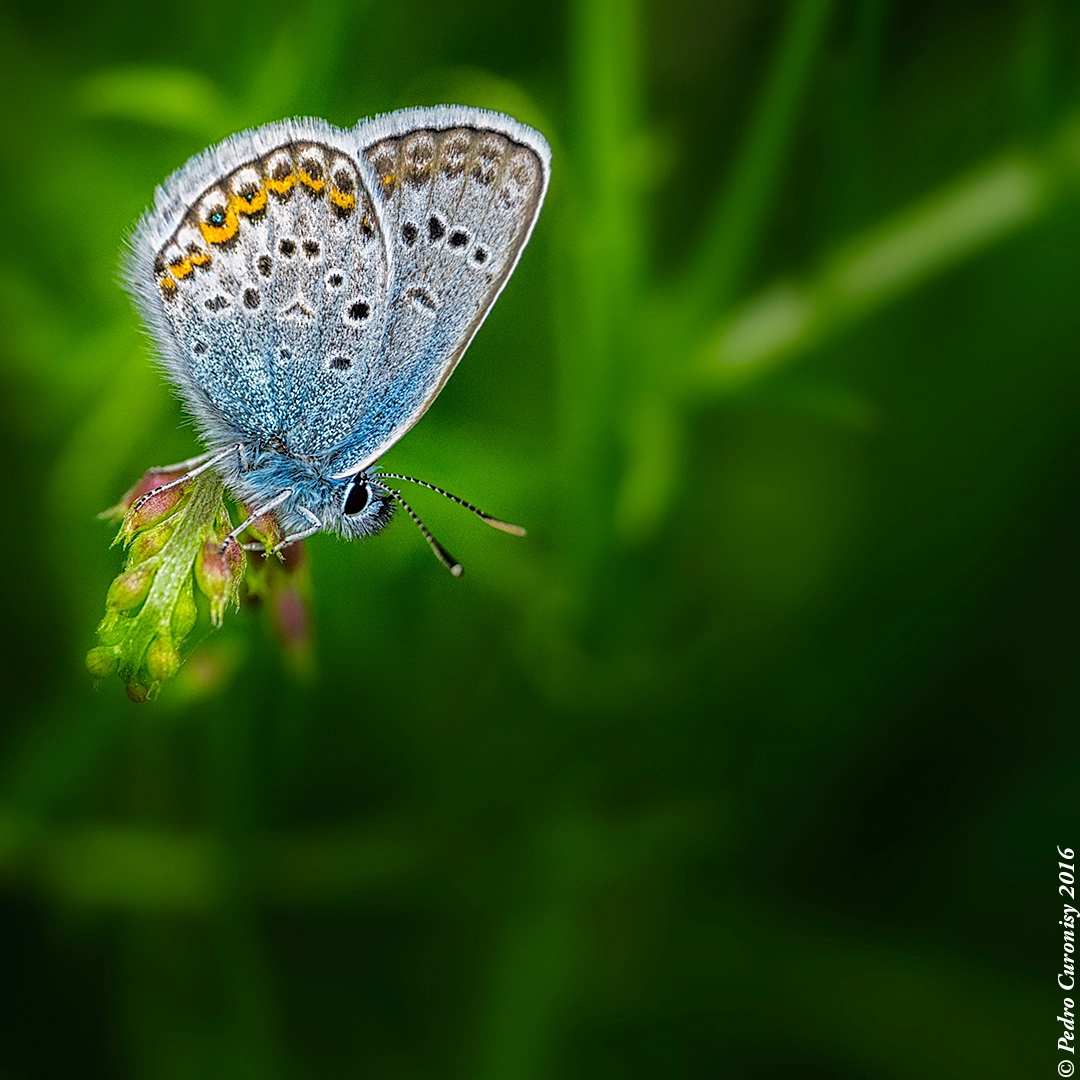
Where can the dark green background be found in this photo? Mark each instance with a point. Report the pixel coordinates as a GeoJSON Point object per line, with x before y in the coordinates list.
{"type": "Point", "coordinates": [751, 760]}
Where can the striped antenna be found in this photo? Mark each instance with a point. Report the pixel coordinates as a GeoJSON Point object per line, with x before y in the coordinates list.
{"type": "Point", "coordinates": [495, 523]}
{"type": "Point", "coordinates": [441, 553]}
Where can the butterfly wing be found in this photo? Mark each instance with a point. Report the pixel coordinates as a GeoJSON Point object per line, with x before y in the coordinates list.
{"type": "Point", "coordinates": [457, 192]}
{"type": "Point", "coordinates": [263, 271]}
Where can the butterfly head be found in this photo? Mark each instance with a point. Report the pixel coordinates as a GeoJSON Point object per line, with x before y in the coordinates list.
{"type": "Point", "coordinates": [365, 507]}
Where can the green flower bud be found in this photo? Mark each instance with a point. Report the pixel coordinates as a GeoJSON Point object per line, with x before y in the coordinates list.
{"type": "Point", "coordinates": [102, 661]}
{"type": "Point", "coordinates": [162, 659]}
{"type": "Point", "coordinates": [129, 589]}
{"type": "Point", "coordinates": [185, 613]}
{"type": "Point", "coordinates": [265, 530]}
{"type": "Point", "coordinates": [151, 542]}
{"type": "Point", "coordinates": [111, 629]}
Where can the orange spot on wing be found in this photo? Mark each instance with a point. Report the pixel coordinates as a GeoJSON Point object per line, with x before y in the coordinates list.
{"type": "Point", "coordinates": [281, 185]}
{"type": "Point", "coordinates": [309, 181]}
{"type": "Point", "coordinates": [248, 203]}
{"type": "Point", "coordinates": [181, 269]}
{"type": "Point", "coordinates": [346, 200]}
{"type": "Point", "coordinates": [218, 234]}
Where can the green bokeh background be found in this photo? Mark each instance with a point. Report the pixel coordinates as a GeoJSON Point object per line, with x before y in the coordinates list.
{"type": "Point", "coordinates": [751, 760]}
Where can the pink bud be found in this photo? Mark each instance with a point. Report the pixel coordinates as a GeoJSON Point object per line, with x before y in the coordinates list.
{"type": "Point", "coordinates": [155, 478]}
{"type": "Point", "coordinates": [291, 618]}
{"type": "Point", "coordinates": [216, 571]}
{"type": "Point", "coordinates": [235, 555]}
{"type": "Point", "coordinates": [152, 511]}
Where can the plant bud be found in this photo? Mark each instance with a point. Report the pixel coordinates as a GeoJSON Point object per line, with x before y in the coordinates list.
{"type": "Point", "coordinates": [185, 613]}
{"type": "Point", "coordinates": [265, 530]}
{"type": "Point", "coordinates": [234, 553]}
{"type": "Point", "coordinates": [291, 618]}
{"type": "Point", "coordinates": [150, 480]}
{"type": "Point", "coordinates": [155, 509]}
{"type": "Point", "coordinates": [162, 659]}
{"type": "Point", "coordinates": [136, 691]}
{"type": "Point", "coordinates": [102, 661]}
{"type": "Point", "coordinates": [151, 542]}
{"type": "Point", "coordinates": [215, 572]}
{"type": "Point", "coordinates": [130, 588]}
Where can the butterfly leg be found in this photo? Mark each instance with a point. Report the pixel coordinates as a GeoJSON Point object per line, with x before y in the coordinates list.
{"type": "Point", "coordinates": [316, 525]}
{"type": "Point", "coordinates": [293, 537]}
{"type": "Point", "coordinates": [183, 466]}
{"type": "Point", "coordinates": [202, 463]}
{"type": "Point", "coordinates": [275, 502]}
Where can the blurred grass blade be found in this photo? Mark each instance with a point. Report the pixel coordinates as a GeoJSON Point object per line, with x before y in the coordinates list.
{"type": "Point", "coordinates": [175, 98]}
{"type": "Point", "coordinates": [602, 242]}
{"type": "Point", "coordinates": [299, 71]}
{"type": "Point", "coordinates": [786, 319]}
{"type": "Point", "coordinates": [742, 206]}
{"type": "Point", "coordinates": [652, 430]}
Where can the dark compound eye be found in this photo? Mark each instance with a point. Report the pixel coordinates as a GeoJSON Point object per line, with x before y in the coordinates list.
{"type": "Point", "coordinates": [358, 499]}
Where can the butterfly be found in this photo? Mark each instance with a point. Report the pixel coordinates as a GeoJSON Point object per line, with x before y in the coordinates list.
{"type": "Point", "coordinates": [311, 289]}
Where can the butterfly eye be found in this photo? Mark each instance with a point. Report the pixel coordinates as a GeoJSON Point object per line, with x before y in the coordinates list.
{"type": "Point", "coordinates": [358, 498]}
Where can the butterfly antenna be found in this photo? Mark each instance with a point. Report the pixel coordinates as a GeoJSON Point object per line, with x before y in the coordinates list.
{"type": "Point", "coordinates": [495, 523]}
{"type": "Point", "coordinates": [441, 553]}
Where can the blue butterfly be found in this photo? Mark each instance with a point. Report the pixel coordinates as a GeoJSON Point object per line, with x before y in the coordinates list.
{"type": "Point", "coordinates": [311, 289]}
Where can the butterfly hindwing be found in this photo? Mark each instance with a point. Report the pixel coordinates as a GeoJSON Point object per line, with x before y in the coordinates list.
{"type": "Point", "coordinates": [457, 192]}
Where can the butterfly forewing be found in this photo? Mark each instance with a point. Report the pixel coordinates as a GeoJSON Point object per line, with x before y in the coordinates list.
{"type": "Point", "coordinates": [274, 286]}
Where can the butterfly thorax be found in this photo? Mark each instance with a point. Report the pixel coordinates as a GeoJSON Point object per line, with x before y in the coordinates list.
{"type": "Point", "coordinates": [261, 475]}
